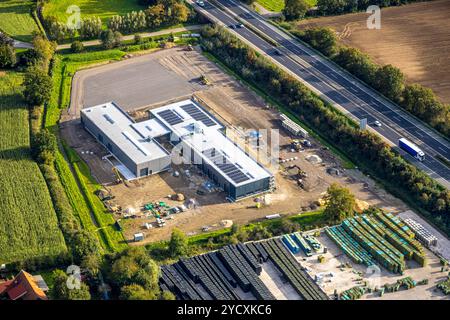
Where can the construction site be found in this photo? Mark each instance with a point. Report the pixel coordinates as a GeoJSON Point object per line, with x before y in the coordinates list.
{"type": "Point", "coordinates": [185, 195]}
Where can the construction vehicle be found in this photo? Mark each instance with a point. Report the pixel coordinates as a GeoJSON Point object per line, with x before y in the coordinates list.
{"type": "Point", "coordinates": [118, 177]}
{"type": "Point", "coordinates": [203, 80]}
{"type": "Point", "coordinates": [296, 144]}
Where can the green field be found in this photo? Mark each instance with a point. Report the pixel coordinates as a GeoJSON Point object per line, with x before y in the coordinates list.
{"type": "Point", "coordinates": [16, 20]}
{"type": "Point", "coordinates": [278, 5]}
{"type": "Point", "coordinates": [74, 173]}
{"type": "Point", "coordinates": [28, 222]}
{"type": "Point", "coordinates": [88, 8]}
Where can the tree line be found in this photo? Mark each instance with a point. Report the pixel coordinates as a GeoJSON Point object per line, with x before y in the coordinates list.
{"type": "Point", "coordinates": [160, 13]}
{"type": "Point", "coordinates": [388, 80]}
{"type": "Point", "coordinates": [362, 146]}
{"type": "Point", "coordinates": [298, 9]}
{"type": "Point", "coordinates": [335, 7]}
{"type": "Point", "coordinates": [83, 246]}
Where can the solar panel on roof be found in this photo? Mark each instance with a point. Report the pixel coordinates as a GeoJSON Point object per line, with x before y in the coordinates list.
{"type": "Point", "coordinates": [170, 117]}
{"type": "Point", "coordinates": [198, 114]}
{"type": "Point", "coordinates": [228, 168]}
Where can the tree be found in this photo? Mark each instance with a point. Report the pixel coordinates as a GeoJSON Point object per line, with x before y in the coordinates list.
{"type": "Point", "coordinates": [322, 39]}
{"type": "Point", "coordinates": [44, 146]}
{"type": "Point", "coordinates": [90, 28]}
{"type": "Point", "coordinates": [91, 263]}
{"type": "Point", "coordinates": [77, 47]}
{"type": "Point", "coordinates": [295, 9]}
{"type": "Point", "coordinates": [38, 87]}
{"type": "Point", "coordinates": [259, 232]}
{"type": "Point", "coordinates": [179, 13]}
{"type": "Point", "coordinates": [110, 39]}
{"type": "Point", "coordinates": [390, 81]}
{"type": "Point", "coordinates": [83, 244]}
{"type": "Point", "coordinates": [167, 295]}
{"type": "Point", "coordinates": [7, 56]}
{"type": "Point", "coordinates": [134, 265]}
{"type": "Point", "coordinates": [340, 203]}
{"type": "Point", "coordinates": [59, 31]}
{"type": "Point", "coordinates": [357, 63]}
{"type": "Point", "coordinates": [327, 7]}
{"type": "Point", "coordinates": [178, 244]}
{"type": "Point", "coordinates": [136, 292]}
{"type": "Point", "coordinates": [61, 290]}
{"type": "Point", "coordinates": [4, 39]}
{"type": "Point", "coordinates": [44, 50]}
{"type": "Point", "coordinates": [423, 103]}
{"type": "Point", "coordinates": [155, 15]}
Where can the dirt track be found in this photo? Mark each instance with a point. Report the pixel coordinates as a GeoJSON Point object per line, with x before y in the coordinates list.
{"type": "Point", "coordinates": [415, 38]}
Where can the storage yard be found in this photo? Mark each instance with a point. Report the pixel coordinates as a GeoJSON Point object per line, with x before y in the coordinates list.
{"type": "Point", "coordinates": [302, 169]}
{"type": "Point", "coordinates": [235, 273]}
{"type": "Point", "coordinates": [316, 265]}
{"type": "Point", "coordinates": [412, 37]}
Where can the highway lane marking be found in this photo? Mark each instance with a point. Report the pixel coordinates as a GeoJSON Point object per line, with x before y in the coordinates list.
{"type": "Point", "coordinates": [344, 77]}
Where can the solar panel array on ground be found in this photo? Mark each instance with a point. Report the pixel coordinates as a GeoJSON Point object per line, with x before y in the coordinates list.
{"type": "Point", "coordinates": [230, 169]}
{"type": "Point", "coordinates": [170, 117]}
{"type": "Point", "coordinates": [217, 275]}
{"type": "Point", "coordinates": [198, 114]}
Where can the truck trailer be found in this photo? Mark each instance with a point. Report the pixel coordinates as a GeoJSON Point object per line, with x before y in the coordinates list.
{"type": "Point", "coordinates": [411, 148]}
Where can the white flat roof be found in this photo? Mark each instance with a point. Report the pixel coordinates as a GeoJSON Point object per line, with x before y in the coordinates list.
{"type": "Point", "coordinates": [151, 128]}
{"type": "Point", "coordinates": [203, 135]}
{"type": "Point", "coordinates": [119, 128]}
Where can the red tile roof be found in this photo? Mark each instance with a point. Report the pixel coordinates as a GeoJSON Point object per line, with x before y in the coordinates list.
{"type": "Point", "coordinates": [23, 286]}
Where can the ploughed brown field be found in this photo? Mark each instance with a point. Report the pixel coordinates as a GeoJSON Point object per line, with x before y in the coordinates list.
{"type": "Point", "coordinates": [414, 38]}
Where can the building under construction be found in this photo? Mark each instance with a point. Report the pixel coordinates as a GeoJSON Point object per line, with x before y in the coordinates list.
{"type": "Point", "coordinates": [183, 129]}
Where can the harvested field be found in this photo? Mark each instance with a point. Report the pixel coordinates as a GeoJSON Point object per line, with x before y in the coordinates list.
{"type": "Point", "coordinates": [240, 110]}
{"type": "Point", "coordinates": [414, 38]}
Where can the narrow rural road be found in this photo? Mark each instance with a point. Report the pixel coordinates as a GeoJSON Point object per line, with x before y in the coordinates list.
{"type": "Point", "coordinates": [131, 36]}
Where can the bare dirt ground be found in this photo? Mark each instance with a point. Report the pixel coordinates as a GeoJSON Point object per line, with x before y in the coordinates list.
{"type": "Point", "coordinates": [414, 38]}
{"type": "Point", "coordinates": [345, 278]}
{"type": "Point", "coordinates": [239, 109]}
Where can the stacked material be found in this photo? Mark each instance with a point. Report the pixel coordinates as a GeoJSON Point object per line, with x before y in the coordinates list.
{"type": "Point", "coordinates": [379, 237]}
{"type": "Point", "coordinates": [298, 238]}
{"type": "Point", "coordinates": [353, 293]}
{"type": "Point", "coordinates": [293, 127]}
{"type": "Point", "coordinates": [422, 234]}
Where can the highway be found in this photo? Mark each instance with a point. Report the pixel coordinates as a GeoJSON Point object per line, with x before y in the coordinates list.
{"type": "Point", "coordinates": [352, 97]}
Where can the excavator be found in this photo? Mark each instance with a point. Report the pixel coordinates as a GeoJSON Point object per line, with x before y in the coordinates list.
{"type": "Point", "coordinates": [118, 177]}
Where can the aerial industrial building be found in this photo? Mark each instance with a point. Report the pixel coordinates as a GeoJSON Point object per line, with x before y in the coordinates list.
{"type": "Point", "coordinates": [194, 136]}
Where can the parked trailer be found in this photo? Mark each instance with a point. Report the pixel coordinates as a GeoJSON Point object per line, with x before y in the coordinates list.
{"type": "Point", "coordinates": [411, 148]}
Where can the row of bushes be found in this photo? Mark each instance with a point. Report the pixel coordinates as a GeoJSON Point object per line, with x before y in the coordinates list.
{"type": "Point", "coordinates": [387, 79]}
{"type": "Point", "coordinates": [364, 147]}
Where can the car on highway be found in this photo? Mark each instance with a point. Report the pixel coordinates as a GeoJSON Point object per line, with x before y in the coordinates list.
{"type": "Point", "coordinates": [377, 123]}
{"type": "Point", "coordinates": [200, 3]}
{"type": "Point", "coordinates": [232, 26]}
{"type": "Point", "coordinates": [277, 52]}
{"type": "Point", "coordinates": [240, 25]}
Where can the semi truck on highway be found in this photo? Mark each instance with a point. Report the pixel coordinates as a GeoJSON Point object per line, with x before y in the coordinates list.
{"type": "Point", "coordinates": [411, 148]}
